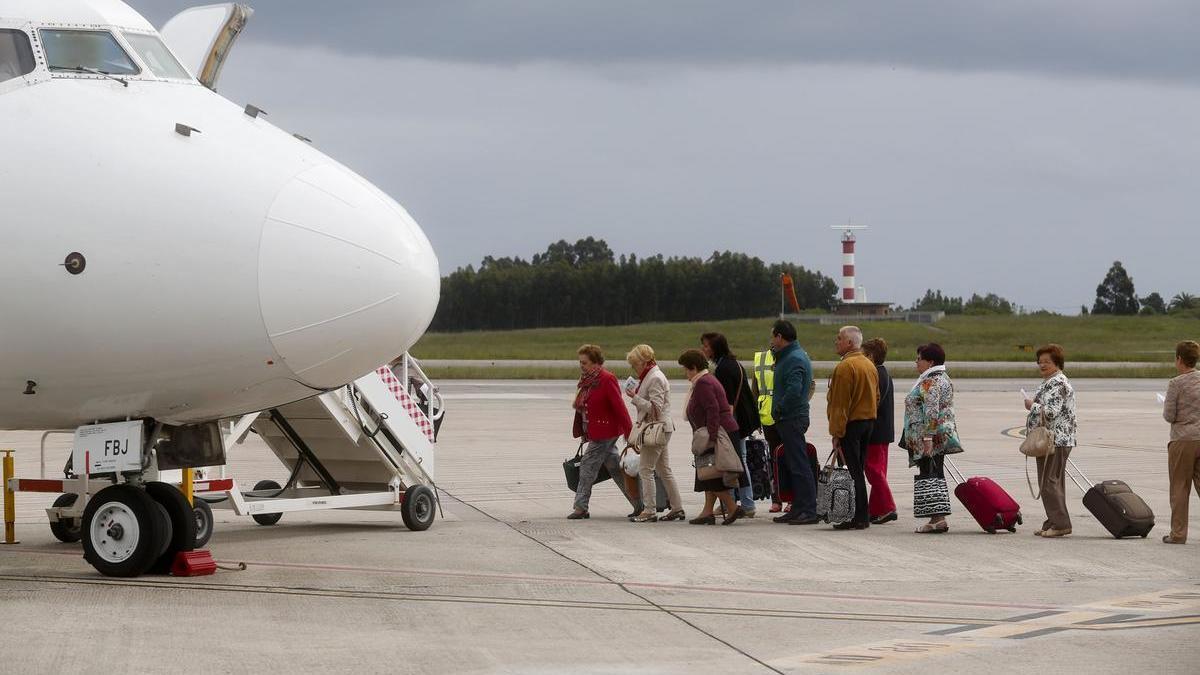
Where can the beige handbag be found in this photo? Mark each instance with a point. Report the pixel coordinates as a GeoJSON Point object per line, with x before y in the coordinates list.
{"type": "Point", "coordinates": [653, 432]}
{"type": "Point", "coordinates": [1039, 442]}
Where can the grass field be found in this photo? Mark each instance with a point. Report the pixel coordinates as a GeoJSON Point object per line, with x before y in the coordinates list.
{"type": "Point", "coordinates": [903, 371]}
{"type": "Point", "coordinates": [966, 338]}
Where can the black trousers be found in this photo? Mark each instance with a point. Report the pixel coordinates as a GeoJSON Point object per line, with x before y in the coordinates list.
{"type": "Point", "coordinates": [854, 450]}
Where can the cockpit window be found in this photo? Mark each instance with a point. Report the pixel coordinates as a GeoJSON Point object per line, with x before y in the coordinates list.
{"type": "Point", "coordinates": [84, 50]}
{"type": "Point", "coordinates": [156, 56]}
{"type": "Point", "coordinates": [16, 56]}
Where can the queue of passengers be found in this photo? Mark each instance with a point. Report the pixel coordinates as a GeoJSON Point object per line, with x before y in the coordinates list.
{"type": "Point", "coordinates": [726, 406]}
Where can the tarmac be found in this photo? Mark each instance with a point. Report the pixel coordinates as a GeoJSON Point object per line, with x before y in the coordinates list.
{"type": "Point", "coordinates": [503, 583]}
{"type": "Point", "coordinates": [824, 365]}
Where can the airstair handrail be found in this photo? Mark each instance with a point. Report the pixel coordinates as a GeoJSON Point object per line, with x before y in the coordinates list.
{"type": "Point", "coordinates": [410, 363]}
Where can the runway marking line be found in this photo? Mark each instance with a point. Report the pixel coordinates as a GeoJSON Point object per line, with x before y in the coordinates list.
{"type": "Point", "coordinates": [603, 582]}
{"type": "Point", "coordinates": [494, 600]}
{"type": "Point", "coordinates": [1097, 616]}
{"type": "Point", "coordinates": [1169, 600]}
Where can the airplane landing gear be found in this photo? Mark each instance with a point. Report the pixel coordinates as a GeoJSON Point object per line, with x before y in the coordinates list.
{"type": "Point", "coordinates": [181, 535]}
{"type": "Point", "coordinates": [119, 528]}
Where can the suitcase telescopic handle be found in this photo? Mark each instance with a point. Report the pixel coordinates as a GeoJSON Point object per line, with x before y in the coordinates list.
{"type": "Point", "coordinates": [956, 475]}
{"type": "Point", "coordinates": [1067, 470]}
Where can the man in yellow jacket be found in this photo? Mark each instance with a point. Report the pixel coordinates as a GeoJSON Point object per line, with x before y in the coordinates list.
{"type": "Point", "coordinates": [853, 402]}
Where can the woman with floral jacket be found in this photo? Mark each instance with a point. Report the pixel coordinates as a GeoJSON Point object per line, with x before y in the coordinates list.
{"type": "Point", "coordinates": [1054, 408]}
{"type": "Point", "coordinates": [930, 434]}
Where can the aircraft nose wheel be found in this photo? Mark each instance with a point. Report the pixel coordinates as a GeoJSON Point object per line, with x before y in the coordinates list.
{"type": "Point", "coordinates": [120, 525]}
{"type": "Point", "coordinates": [419, 508]}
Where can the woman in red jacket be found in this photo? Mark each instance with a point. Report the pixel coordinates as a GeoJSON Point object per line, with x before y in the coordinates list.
{"type": "Point", "coordinates": [601, 417]}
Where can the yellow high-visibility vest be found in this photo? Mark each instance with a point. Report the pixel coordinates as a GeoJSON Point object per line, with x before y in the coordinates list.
{"type": "Point", "coordinates": [764, 377]}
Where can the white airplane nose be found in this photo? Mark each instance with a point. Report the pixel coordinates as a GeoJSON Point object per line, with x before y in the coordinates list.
{"type": "Point", "coordinates": [347, 280]}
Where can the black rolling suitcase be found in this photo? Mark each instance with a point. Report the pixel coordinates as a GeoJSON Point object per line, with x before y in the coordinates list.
{"type": "Point", "coordinates": [758, 461]}
{"type": "Point", "coordinates": [1118, 508]}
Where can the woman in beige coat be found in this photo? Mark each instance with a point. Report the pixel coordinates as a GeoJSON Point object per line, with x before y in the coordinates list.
{"type": "Point", "coordinates": [651, 396]}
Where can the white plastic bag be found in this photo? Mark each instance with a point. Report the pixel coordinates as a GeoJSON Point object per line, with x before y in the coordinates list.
{"type": "Point", "coordinates": [631, 462]}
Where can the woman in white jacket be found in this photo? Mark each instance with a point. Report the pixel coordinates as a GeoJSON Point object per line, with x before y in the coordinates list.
{"type": "Point", "coordinates": [1053, 406]}
{"type": "Point", "coordinates": [651, 396]}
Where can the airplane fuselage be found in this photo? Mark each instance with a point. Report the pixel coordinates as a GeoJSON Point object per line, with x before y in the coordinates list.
{"type": "Point", "coordinates": [230, 270]}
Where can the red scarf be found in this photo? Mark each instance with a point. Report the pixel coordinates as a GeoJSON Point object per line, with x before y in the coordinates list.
{"type": "Point", "coordinates": [587, 382]}
{"type": "Point", "coordinates": [646, 371]}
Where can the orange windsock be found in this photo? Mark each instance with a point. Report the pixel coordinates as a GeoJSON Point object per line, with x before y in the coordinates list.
{"type": "Point", "coordinates": [789, 290]}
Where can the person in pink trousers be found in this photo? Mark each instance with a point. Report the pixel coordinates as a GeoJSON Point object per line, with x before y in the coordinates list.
{"type": "Point", "coordinates": [880, 505]}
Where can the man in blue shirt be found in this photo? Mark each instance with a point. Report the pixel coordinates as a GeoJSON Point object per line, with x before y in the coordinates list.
{"type": "Point", "coordinates": [789, 407]}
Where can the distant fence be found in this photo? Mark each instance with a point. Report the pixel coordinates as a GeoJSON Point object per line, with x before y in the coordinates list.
{"type": "Point", "coordinates": [842, 319]}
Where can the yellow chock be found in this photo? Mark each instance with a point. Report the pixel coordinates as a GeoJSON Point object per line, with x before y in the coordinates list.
{"type": "Point", "coordinates": [10, 501]}
{"type": "Point", "coordinates": [186, 486]}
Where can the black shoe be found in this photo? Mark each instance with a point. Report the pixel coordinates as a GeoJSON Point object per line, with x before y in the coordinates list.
{"type": "Point", "coordinates": [786, 518]}
{"type": "Point", "coordinates": [732, 518]}
{"type": "Point", "coordinates": [813, 520]}
{"type": "Point", "coordinates": [885, 518]}
{"type": "Point", "coordinates": [578, 515]}
{"type": "Point", "coordinates": [704, 520]}
{"type": "Point", "coordinates": [851, 526]}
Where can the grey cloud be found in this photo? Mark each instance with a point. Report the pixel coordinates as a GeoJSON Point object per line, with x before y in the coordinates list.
{"type": "Point", "coordinates": [1153, 40]}
{"type": "Point", "coordinates": [1019, 185]}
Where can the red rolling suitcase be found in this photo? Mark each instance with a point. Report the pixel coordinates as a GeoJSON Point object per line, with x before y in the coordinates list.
{"type": "Point", "coordinates": [783, 479]}
{"type": "Point", "coordinates": [993, 508]}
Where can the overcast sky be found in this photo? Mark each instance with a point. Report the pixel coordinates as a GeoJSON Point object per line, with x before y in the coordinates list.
{"type": "Point", "coordinates": [1012, 147]}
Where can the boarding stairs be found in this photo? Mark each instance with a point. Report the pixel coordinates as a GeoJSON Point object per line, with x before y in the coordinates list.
{"type": "Point", "coordinates": [366, 445]}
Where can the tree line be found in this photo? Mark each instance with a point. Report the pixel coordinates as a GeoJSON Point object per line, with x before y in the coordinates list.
{"type": "Point", "coordinates": [976, 305]}
{"type": "Point", "coordinates": [585, 284]}
{"type": "Point", "coordinates": [1117, 295]}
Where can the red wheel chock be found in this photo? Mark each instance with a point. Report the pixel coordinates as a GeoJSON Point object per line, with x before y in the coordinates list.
{"type": "Point", "coordinates": [193, 564]}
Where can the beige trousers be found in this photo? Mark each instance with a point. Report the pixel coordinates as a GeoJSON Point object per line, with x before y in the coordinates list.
{"type": "Point", "coordinates": [654, 459]}
{"type": "Point", "coordinates": [1051, 476]}
{"type": "Point", "coordinates": [1183, 470]}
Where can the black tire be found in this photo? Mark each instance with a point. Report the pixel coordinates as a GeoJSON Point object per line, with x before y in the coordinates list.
{"type": "Point", "coordinates": [267, 518]}
{"type": "Point", "coordinates": [124, 544]}
{"type": "Point", "coordinates": [162, 531]}
{"type": "Point", "coordinates": [202, 515]}
{"type": "Point", "coordinates": [182, 536]}
{"type": "Point", "coordinates": [66, 530]}
{"type": "Point", "coordinates": [419, 508]}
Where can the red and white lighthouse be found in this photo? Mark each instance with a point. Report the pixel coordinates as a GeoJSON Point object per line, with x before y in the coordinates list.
{"type": "Point", "coordinates": [848, 241]}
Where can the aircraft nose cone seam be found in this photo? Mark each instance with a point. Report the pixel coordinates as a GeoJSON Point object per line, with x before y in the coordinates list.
{"type": "Point", "coordinates": [347, 281]}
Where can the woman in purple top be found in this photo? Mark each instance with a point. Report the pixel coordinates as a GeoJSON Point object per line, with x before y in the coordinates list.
{"type": "Point", "coordinates": [707, 407]}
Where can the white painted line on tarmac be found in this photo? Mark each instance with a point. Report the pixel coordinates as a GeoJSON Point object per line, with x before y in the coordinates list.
{"type": "Point", "coordinates": [1170, 600]}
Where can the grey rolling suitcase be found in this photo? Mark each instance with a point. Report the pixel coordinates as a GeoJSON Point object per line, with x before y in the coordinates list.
{"type": "Point", "coordinates": [1118, 508]}
{"type": "Point", "coordinates": [661, 501]}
